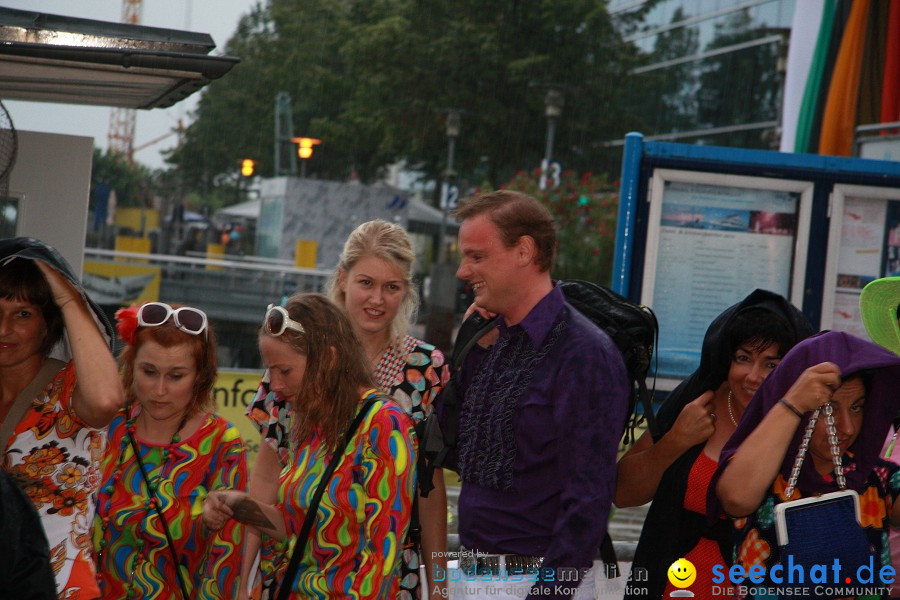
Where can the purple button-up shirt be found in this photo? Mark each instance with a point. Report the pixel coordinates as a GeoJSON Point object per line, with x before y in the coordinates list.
{"type": "Point", "coordinates": [568, 424]}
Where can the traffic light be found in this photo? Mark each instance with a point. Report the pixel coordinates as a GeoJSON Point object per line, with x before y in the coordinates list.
{"type": "Point", "coordinates": [305, 146]}
{"type": "Point", "coordinates": [248, 165]}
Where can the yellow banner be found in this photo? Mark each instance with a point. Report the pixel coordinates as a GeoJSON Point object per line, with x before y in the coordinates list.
{"type": "Point", "coordinates": [233, 392]}
{"type": "Point", "coordinates": [117, 284]}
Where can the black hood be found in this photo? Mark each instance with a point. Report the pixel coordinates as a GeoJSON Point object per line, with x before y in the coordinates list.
{"type": "Point", "coordinates": [32, 249]}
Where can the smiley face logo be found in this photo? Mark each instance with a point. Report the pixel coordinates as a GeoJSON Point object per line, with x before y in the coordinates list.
{"type": "Point", "coordinates": [682, 573]}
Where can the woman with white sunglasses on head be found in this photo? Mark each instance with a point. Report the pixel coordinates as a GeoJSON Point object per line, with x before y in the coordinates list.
{"type": "Point", "coordinates": [167, 451]}
{"type": "Point", "coordinates": [343, 505]}
{"type": "Point", "coordinates": [373, 286]}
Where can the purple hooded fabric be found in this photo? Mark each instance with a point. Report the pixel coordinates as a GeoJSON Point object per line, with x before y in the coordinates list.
{"type": "Point", "coordinates": [851, 354]}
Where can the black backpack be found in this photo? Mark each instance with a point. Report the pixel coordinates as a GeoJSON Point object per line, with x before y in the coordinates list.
{"type": "Point", "coordinates": [635, 332]}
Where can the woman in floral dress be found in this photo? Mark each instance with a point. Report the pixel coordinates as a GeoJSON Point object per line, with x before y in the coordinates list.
{"type": "Point", "coordinates": [57, 410]}
{"type": "Point", "coordinates": [860, 381]}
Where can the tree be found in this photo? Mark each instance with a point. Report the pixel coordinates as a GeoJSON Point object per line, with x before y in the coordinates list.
{"type": "Point", "coordinates": [130, 181]}
{"type": "Point", "coordinates": [372, 79]}
{"type": "Point", "coordinates": [585, 209]}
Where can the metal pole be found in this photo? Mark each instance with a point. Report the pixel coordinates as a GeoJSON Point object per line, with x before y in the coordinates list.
{"type": "Point", "coordinates": [551, 134]}
{"type": "Point", "coordinates": [448, 178]}
{"type": "Point", "coordinates": [303, 169]}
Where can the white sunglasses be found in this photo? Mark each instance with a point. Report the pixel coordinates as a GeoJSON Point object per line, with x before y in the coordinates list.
{"type": "Point", "coordinates": [187, 319]}
{"type": "Point", "coordinates": [278, 320]}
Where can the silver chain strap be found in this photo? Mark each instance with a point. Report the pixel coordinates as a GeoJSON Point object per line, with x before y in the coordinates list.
{"type": "Point", "coordinates": [804, 445]}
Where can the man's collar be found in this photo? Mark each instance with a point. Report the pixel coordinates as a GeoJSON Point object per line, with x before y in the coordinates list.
{"type": "Point", "coordinates": [538, 322]}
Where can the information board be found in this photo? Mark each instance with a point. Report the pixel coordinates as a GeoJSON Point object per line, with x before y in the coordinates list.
{"type": "Point", "coordinates": [864, 244]}
{"type": "Point", "coordinates": [712, 239]}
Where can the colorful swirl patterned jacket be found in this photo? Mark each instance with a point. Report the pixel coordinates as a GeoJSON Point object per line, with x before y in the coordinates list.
{"type": "Point", "coordinates": [363, 517]}
{"type": "Point", "coordinates": [129, 541]}
{"type": "Point", "coordinates": [410, 371]}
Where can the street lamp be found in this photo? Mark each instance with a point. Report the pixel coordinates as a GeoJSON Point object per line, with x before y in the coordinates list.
{"type": "Point", "coordinates": [305, 150]}
{"type": "Point", "coordinates": [553, 105]}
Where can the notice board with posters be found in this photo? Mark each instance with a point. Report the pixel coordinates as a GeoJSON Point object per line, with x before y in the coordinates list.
{"type": "Point", "coordinates": [865, 235]}
{"type": "Point", "coordinates": [700, 227]}
{"type": "Point", "coordinates": [712, 239]}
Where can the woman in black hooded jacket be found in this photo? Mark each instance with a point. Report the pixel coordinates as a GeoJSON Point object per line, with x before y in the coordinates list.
{"type": "Point", "coordinates": [741, 347]}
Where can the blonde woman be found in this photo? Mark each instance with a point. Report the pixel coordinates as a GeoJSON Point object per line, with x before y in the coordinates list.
{"type": "Point", "coordinates": [373, 286]}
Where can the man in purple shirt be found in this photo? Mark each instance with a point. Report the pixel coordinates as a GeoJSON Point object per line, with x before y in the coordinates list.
{"type": "Point", "coordinates": [542, 407]}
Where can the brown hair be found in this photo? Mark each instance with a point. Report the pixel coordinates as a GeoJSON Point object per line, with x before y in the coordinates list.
{"type": "Point", "coordinates": [203, 349]}
{"type": "Point", "coordinates": [516, 214]}
{"type": "Point", "coordinates": [336, 368]}
{"type": "Point", "coordinates": [388, 242]}
{"type": "Point", "coordinates": [22, 280]}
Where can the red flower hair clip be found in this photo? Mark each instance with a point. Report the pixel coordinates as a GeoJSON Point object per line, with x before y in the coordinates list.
{"type": "Point", "coordinates": [127, 324]}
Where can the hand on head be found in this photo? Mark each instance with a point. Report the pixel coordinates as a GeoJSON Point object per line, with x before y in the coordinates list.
{"type": "Point", "coordinates": [63, 290]}
{"type": "Point", "coordinates": [815, 387]}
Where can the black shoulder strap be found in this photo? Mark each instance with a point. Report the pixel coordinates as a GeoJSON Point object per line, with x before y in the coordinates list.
{"type": "Point", "coordinates": [151, 491]}
{"type": "Point", "coordinates": [300, 545]}
{"type": "Point", "coordinates": [472, 330]}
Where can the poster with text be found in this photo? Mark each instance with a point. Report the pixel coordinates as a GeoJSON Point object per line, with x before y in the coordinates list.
{"type": "Point", "coordinates": [859, 259]}
{"type": "Point", "coordinates": [716, 245]}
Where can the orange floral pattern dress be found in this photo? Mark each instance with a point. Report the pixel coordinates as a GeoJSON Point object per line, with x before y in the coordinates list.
{"type": "Point", "coordinates": [55, 457]}
{"type": "Point", "coordinates": [757, 543]}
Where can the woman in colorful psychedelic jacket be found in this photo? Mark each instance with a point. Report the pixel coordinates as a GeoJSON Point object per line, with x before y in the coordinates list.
{"type": "Point", "coordinates": [167, 451]}
{"type": "Point", "coordinates": [354, 548]}
{"type": "Point", "coordinates": [373, 285]}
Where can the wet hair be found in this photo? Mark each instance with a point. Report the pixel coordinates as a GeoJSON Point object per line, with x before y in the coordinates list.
{"type": "Point", "coordinates": [203, 349]}
{"type": "Point", "coordinates": [758, 328]}
{"type": "Point", "coordinates": [865, 375]}
{"type": "Point", "coordinates": [388, 242]}
{"type": "Point", "coordinates": [336, 368]}
{"type": "Point", "coordinates": [22, 280]}
{"type": "Point", "coordinates": [516, 214]}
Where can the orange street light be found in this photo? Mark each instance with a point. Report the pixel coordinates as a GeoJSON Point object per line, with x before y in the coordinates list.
{"type": "Point", "coordinates": [305, 146]}
{"type": "Point", "coordinates": [248, 165]}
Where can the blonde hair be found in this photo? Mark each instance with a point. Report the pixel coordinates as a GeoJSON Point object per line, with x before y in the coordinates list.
{"type": "Point", "coordinates": [388, 242]}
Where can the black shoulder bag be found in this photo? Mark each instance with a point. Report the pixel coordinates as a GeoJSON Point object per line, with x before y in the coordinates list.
{"type": "Point", "coordinates": [300, 545]}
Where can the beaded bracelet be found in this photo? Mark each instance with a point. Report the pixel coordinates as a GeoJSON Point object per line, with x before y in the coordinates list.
{"type": "Point", "coordinates": [791, 407]}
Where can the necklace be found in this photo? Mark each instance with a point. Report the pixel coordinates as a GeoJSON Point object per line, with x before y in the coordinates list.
{"type": "Point", "coordinates": [376, 356]}
{"type": "Point", "coordinates": [150, 504]}
{"type": "Point", "coordinates": [730, 413]}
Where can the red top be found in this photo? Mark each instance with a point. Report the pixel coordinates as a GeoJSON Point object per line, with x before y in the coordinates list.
{"type": "Point", "coordinates": [706, 553]}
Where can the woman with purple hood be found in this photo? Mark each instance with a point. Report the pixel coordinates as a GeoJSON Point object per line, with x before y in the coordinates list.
{"type": "Point", "coordinates": [859, 380]}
